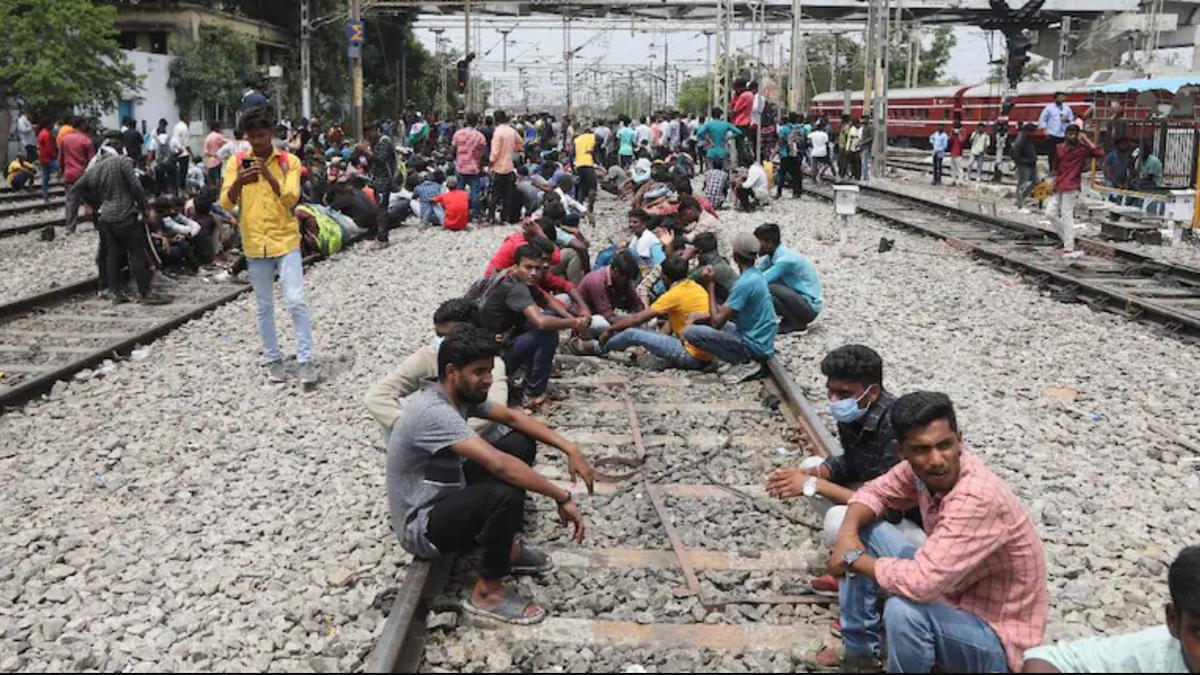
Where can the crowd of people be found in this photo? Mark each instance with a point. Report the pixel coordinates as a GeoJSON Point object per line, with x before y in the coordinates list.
{"type": "Point", "coordinates": [934, 560]}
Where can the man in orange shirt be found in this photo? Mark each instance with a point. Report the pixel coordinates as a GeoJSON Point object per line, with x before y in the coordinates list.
{"type": "Point", "coordinates": [457, 205]}
{"type": "Point", "coordinates": [505, 143]}
{"type": "Point", "coordinates": [213, 143]}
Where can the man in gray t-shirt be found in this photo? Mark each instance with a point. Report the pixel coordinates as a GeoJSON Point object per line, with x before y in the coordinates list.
{"type": "Point", "coordinates": [436, 511]}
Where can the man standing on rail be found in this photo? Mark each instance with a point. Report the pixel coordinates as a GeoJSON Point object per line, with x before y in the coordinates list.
{"type": "Point", "coordinates": [437, 508]}
{"type": "Point", "coordinates": [1073, 154]}
{"type": "Point", "coordinates": [506, 143]}
{"type": "Point", "coordinates": [973, 597]}
{"type": "Point", "coordinates": [265, 185]}
{"type": "Point", "coordinates": [1056, 117]}
{"type": "Point", "coordinates": [939, 141]}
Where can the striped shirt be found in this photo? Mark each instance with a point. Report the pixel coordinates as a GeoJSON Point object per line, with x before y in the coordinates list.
{"type": "Point", "coordinates": [983, 554]}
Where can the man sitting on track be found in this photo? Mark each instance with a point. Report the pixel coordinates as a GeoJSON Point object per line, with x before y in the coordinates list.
{"type": "Point", "coordinates": [512, 307]}
{"type": "Point", "coordinates": [437, 508]}
{"type": "Point", "coordinates": [793, 281]}
{"type": "Point", "coordinates": [685, 297]}
{"type": "Point", "coordinates": [973, 597]}
{"type": "Point", "coordinates": [1173, 648]}
{"type": "Point", "coordinates": [862, 409]}
{"type": "Point", "coordinates": [742, 330]}
{"type": "Point", "coordinates": [383, 398]}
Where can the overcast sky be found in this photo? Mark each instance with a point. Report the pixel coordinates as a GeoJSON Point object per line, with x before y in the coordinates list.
{"type": "Point", "coordinates": [543, 47]}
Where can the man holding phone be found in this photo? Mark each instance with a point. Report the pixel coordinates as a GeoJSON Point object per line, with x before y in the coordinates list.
{"type": "Point", "coordinates": [265, 186]}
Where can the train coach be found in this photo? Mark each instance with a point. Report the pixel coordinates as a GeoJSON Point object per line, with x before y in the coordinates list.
{"type": "Point", "coordinates": [914, 114]}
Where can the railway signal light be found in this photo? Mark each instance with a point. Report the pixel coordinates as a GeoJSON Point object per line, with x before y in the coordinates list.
{"type": "Point", "coordinates": [1018, 57]}
{"type": "Point", "coordinates": [464, 72]}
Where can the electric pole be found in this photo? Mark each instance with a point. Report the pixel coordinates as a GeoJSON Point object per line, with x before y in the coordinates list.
{"type": "Point", "coordinates": [305, 61]}
{"type": "Point", "coordinates": [356, 72]}
{"type": "Point", "coordinates": [798, 79]}
{"type": "Point", "coordinates": [505, 33]}
{"type": "Point", "coordinates": [567, 56]}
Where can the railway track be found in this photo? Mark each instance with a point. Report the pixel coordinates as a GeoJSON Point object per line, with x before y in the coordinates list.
{"type": "Point", "coordinates": [33, 205]}
{"type": "Point", "coordinates": [686, 559]}
{"type": "Point", "coordinates": [1109, 278]}
{"type": "Point", "coordinates": [12, 230]}
{"type": "Point", "coordinates": [10, 197]}
{"type": "Point", "coordinates": [52, 336]}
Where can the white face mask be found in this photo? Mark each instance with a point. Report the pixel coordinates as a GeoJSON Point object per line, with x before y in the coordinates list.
{"type": "Point", "coordinates": [437, 342]}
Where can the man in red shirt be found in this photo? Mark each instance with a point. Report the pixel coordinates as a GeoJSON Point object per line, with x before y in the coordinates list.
{"type": "Point", "coordinates": [973, 598]}
{"type": "Point", "coordinates": [47, 157]}
{"type": "Point", "coordinates": [470, 146]}
{"type": "Point", "coordinates": [76, 150]}
{"type": "Point", "coordinates": [456, 204]}
{"type": "Point", "coordinates": [739, 115]}
{"type": "Point", "coordinates": [957, 165]}
{"type": "Point", "coordinates": [1071, 156]}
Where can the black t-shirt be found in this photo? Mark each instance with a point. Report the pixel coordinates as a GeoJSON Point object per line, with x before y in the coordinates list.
{"type": "Point", "coordinates": [132, 140]}
{"type": "Point", "coordinates": [504, 306]}
{"type": "Point", "coordinates": [358, 206]}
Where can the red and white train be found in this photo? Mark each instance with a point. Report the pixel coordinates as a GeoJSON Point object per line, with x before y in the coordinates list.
{"type": "Point", "coordinates": [914, 114]}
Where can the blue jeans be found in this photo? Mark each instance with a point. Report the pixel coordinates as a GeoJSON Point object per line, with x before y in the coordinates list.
{"type": "Point", "coordinates": [726, 344]}
{"type": "Point", "coordinates": [291, 275]}
{"type": "Point", "coordinates": [666, 347]}
{"type": "Point", "coordinates": [473, 184]}
{"type": "Point", "coordinates": [533, 349]}
{"type": "Point", "coordinates": [47, 169]}
{"type": "Point", "coordinates": [919, 636]}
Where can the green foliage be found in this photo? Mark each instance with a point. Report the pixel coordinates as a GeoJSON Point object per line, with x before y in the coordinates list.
{"type": "Point", "coordinates": [1034, 71]}
{"type": "Point", "coordinates": [212, 70]}
{"type": "Point", "coordinates": [695, 95]}
{"type": "Point", "coordinates": [61, 53]}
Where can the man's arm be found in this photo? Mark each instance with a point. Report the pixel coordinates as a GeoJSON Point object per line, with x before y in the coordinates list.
{"type": "Point", "coordinates": [518, 474]}
{"type": "Point", "coordinates": [535, 317]}
{"type": "Point", "coordinates": [1039, 666]}
{"type": "Point", "coordinates": [577, 464]}
{"type": "Point", "coordinates": [383, 397]}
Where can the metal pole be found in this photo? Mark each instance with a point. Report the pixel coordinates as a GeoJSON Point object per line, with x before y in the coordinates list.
{"type": "Point", "coordinates": [404, 76]}
{"type": "Point", "coordinates": [357, 76]}
{"type": "Point", "coordinates": [710, 73]}
{"type": "Point", "coordinates": [914, 55]}
{"type": "Point", "coordinates": [879, 112]}
{"type": "Point", "coordinates": [666, 72]}
{"type": "Point", "coordinates": [869, 53]}
{"type": "Point", "coordinates": [505, 45]}
{"type": "Point", "coordinates": [727, 85]}
{"type": "Point", "coordinates": [567, 55]}
{"type": "Point", "coordinates": [467, 50]}
{"type": "Point", "coordinates": [1064, 49]}
{"type": "Point", "coordinates": [305, 61]}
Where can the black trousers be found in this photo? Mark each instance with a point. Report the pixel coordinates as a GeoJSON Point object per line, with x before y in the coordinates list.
{"type": "Point", "coordinates": [126, 242]}
{"type": "Point", "coordinates": [789, 169]}
{"type": "Point", "coordinates": [826, 162]}
{"type": "Point", "coordinates": [487, 513]}
{"type": "Point", "coordinates": [792, 308]}
{"type": "Point", "coordinates": [181, 168]}
{"type": "Point", "coordinates": [510, 198]}
{"type": "Point", "coordinates": [1053, 157]}
{"type": "Point", "coordinates": [746, 198]}
{"type": "Point", "coordinates": [937, 167]}
{"type": "Point", "coordinates": [587, 185]}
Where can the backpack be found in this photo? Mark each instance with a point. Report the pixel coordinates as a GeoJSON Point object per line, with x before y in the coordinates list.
{"type": "Point", "coordinates": [797, 141]}
{"type": "Point", "coordinates": [329, 231]}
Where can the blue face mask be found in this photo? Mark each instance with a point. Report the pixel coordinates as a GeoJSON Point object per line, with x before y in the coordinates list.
{"type": "Point", "coordinates": [846, 411]}
{"type": "Point", "coordinates": [437, 342]}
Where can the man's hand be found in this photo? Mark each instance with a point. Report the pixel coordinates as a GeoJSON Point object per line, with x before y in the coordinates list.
{"type": "Point", "coordinates": [666, 237]}
{"type": "Point", "coordinates": [606, 335]}
{"type": "Point", "coordinates": [708, 275]}
{"type": "Point", "coordinates": [787, 483]}
{"type": "Point", "coordinates": [578, 467]}
{"type": "Point", "coordinates": [251, 174]}
{"type": "Point", "coordinates": [568, 514]}
{"type": "Point", "coordinates": [837, 564]}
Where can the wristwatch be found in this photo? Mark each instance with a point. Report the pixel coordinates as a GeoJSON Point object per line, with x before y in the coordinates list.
{"type": "Point", "coordinates": [564, 501]}
{"type": "Point", "coordinates": [810, 486]}
{"type": "Point", "coordinates": [851, 557]}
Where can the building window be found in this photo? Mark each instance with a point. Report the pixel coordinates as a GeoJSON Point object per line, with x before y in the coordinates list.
{"type": "Point", "coordinates": [158, 42]}
{"type": "Point", "coordinates": [127, 39]}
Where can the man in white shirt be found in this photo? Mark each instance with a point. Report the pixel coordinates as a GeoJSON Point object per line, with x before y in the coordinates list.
{"type": "Point", "coordinates": [752, 188]}
{"type": "Point", "coordinates": [818, 142]}
{"type": "Point", "coordinates": [27, 134]}
{"type": "Point", "coordinates": [180, 136]}
{"type": "Point", "coordinates": [642, 133]}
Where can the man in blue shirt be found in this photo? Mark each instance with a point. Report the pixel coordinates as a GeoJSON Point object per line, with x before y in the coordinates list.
{"type": "Point", "coordinates": [1055, 119]}
{"type": "Point", "coordinates": [790, 150]}
{"type": "Point", "coordinates": [742, 331]}
{"type": "Point", "coordinates": [716, 130]}
{"type": "Point", "coordinates": [939, 140]}
{"type": "Point", "coordinates": [792, 280]}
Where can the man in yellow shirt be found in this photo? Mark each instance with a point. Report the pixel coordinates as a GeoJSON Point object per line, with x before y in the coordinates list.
{"type": "Point", "coordinates": [20, 173]}
{"type": "Point", "coordinates": [265, 185]}
{"type": "Point", "coordinates": [585, 166]}
{"type": "Point", "coordinates": [683, 298]}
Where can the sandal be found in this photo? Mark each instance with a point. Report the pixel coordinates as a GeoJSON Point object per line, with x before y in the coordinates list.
{"type": "Point", "coordinates": [531, 561]}
{"type": "Point", "coordinates": [538, 404]}
{"type": "Point", "coordinates": [510, 610]}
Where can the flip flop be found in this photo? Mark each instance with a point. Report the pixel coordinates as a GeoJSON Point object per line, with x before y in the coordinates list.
{"type": "Point", "coordinates": [531, 561]}
{"type": "Point", "coordinates": [511, 610]}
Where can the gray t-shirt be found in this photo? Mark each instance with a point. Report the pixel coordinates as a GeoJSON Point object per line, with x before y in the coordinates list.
{"type": "Point", "coordinates": [421, 468]}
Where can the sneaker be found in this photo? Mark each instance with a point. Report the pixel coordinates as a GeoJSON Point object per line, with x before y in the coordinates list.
{"type": "Point", "coordinates": [276, 372]}
{"type": "Point", "coordinates": [1073, 255]}
{"type": "Point", "coordinates": [119, 299]}
{"type": "Point", "coordinates": [826, 586]}
{"type": "Point", "coordinates": [308, 374]}
{"type": "Point", "coordinates": [745, 372]}
{"type": "Point", "coordinates": [154, 299]}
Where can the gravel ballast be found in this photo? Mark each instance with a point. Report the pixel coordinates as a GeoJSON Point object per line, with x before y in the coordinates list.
{"type": "Point", "coordinates": [182, 513]}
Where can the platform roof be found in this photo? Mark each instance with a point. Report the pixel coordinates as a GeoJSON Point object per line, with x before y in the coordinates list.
{"type": "Point", "coordinates": [1172, 84]}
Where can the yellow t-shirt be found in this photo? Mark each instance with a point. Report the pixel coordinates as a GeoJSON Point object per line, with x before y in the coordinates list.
{"type": "Point", "coordinates": [17, 165]}
{"type": "Point", "coordinates": [584, 145]}
{"type": "Point", "coordinates": [683, 299]}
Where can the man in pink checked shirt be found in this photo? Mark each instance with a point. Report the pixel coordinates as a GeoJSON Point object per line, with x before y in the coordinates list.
{"type": "Point", "coordinates": [973, 598]}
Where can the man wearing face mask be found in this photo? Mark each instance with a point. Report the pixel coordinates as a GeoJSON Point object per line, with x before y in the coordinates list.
{"type": "Point", "coordinates": [861, 406]}
{"type": "Point", "coordinates": [973, 597]}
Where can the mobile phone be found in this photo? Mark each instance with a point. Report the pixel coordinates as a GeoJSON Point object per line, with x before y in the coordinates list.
{"type": "Point", "coordinates": [247, 163]}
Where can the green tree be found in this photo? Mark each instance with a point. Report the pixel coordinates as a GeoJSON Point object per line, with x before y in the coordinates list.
{"type": "Point", "coordinates": [695, 95]}
{"type": "Point", "coordinates": [212, 71]}
{"type": "Point", "coordinates": [61, 54]}
{"type": "Point", "coordinates": [1034, 71]}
